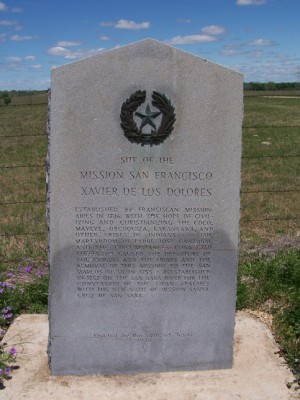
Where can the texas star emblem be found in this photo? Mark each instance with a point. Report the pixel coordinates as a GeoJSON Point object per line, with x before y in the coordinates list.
{"type": "Point", "coordinates": [134, 133]}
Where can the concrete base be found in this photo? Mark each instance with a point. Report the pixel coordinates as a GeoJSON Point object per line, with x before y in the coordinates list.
{"type": "Point", "coordinates": [258, 373]}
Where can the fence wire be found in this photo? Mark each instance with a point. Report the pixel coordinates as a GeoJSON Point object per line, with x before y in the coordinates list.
{"type": "Point", "coordinates": [244, 220]}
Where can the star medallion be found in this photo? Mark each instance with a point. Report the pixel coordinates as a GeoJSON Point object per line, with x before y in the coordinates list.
{"type": "Point", "coordinates": [147, 117]}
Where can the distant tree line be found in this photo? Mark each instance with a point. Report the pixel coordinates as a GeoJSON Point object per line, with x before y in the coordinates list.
{"type": "Point", "coordinates": [259, 86]}
{"type": "Point", "coordinates": [5, 98]}
{"type": "Point", "coordinates": [13, 93]}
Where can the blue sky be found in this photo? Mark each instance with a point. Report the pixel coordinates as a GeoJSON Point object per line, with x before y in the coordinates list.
{"type": "Point", "coordinates": [259, 38]}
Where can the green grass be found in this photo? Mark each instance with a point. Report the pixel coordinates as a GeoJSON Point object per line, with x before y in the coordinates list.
{"type": "Point", "coordinates": [29, 149]}
{"type": "Point", "coordinates": [38, 98]}
{"type": "Point", "coordinates": [262, 93]}
{"type": "Point", "coordinates": [28, 186]}
{"type": "Point", "coordinates": [273, 284]}
{"type": "Point", "coordinates": [23, 120]}
{"type": "Point", "coordinates": [258, 174]}
{"type": "Point", "coordinates": [262, 111]}
{"type": "Point", "coordinates": [271, 128]}
{"type": "Point", "coordinates": [19, 148]}
{"type": "Point", "coordinates": [266, 141]}
{"type": "Point", "coordinates": [270, 166]}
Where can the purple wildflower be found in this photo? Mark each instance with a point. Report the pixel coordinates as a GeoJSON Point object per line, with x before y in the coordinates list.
{"type": "Point", "coordinates": [6, 285]}
{"type": "Point", "coordinates": [40, 273]}
{"type": "Point", "coordinates": [1, 371]}
{"type": "Point", "coordinates": [12, 351]}
{"type": "Point", "coordinates": [9, 274]}
{"type": "Point", "coordinates": [7, 371]}
{"type": "Point", "coordinates": [2, 333]}
{"type": "Point", "coordinates": [6, 316]}
{"type": "Point", "coordinates": [28, 269]}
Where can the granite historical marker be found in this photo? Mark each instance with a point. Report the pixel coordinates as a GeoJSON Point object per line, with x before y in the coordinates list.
{"type": "Point", "coordinates": [143, 201]}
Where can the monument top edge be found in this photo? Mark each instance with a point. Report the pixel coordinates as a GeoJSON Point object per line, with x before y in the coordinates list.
{"type": "Point", "coordinates": [142, 43]}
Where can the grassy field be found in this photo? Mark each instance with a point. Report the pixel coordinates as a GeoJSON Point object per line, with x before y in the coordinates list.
{"type": "Point", "coordinates": [270, 175]}
{"type": "Point", "coordinates": [37, 98]}
{"type": "Point", "coordinates": [25, 182]}
{"type": "Point", "coordinates": [285, 93]}
{"type": "Point", "coordinates": [270, 213]}
{"type": "Point", "coordinates": [270, 169]}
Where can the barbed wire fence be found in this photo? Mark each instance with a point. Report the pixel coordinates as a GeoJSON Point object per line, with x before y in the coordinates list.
{"type": "Point", "coordinates": [42, 201]}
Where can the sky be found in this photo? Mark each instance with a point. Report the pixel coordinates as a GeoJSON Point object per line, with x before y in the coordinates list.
{"type": "Point", "coordinates": [259, 38]}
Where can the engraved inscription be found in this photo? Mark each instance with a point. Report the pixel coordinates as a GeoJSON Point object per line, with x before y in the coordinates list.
{"type": "Point", "coordinates": [137, 251]}
{"type": "Point", "coordinates": [141, 337]}
{"type": "Point", "coordinates": [131, 252]}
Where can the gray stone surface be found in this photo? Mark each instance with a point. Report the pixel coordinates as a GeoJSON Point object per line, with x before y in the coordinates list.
{"type": "Point", "coordinates": [143, 239]}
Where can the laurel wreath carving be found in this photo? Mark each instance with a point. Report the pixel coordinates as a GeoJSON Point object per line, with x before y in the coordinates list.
{"type": "Point", "coordinates": [133, 133]}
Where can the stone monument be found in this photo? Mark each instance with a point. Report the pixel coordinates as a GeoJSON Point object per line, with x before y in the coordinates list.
{"type": "Point", "coordinates": [143, 211]}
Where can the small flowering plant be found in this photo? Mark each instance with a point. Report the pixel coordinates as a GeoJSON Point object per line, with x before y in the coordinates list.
{"type": "Point", "coordinates": [7, 353]}
{"type": "Point", "coordinates": [7, 292]}
{"type": "Point", "coordinates": [28, 294]}
{"type": "Point", "coordinates": [7, 358]}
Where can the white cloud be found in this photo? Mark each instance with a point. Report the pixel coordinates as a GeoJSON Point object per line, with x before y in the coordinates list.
{"type": "Point", "coordinates": [70, 54]}
{"type": "Point", "coordinates": [213, 30]}
{"type": "Point", "coordinates": [229, 52]}
{"type": "Point", "coordinates": [242, 49]}
{"type": "Point", "coordinates": [232, 50]}
{"type": "Point", "coordinates": [19, 38]}
{"type": "Point", "coordinates": [16, 10]}
{"type": "Point", "coordinates": [2, 37]}
{"type": "Point", "coordinates": [68, 44]}
{"type": "Point", "coordinates": [125, 24]}
{"type": "Point", "coordinates": [33, 84]}
{"type": "Point", "coordinates": [192, 39]}
{"type": "Point", "coordinates": [57, 51]}
{"type": "Point", "coordinates": [104, 38]}
{"type": "Point", "coordinates": [11, 23]}
{"type": "Point", "coordinates": [257, 54]}
{"type": "Point", "coordinates": [14, 59]}
{"type": "Point", "coordinates": [30, 58]}
{"type": "Point", "coordinates": [262, 42]}
{"type": "Point", "coordinates": [251, 2]}
{"type": "Point", "coordinates": [36, 66]}
{"type": "Point", "coordinates": [265, 71]}
{"type": "Point", "coordinates": [6, 22]}
{"type": "Point", "coordinates": [3, 6]}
